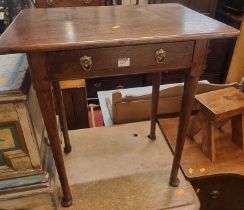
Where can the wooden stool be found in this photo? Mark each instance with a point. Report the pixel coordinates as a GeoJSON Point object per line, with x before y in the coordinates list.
{"type": "Point", "coordinates": [217, 107]}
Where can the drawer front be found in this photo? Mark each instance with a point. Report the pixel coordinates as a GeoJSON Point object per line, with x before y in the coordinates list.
{"type": "Point", "coordinates": [120, 60]}
{"type": "Point", "coordinates": [68, 3]}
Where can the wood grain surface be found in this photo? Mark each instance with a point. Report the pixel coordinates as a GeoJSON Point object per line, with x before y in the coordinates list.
{"type": "Point", "coordinates": [195, 164]}
{"type": "Point", "coordinates": [38, 31]}
{"type": "Point", "coordinates": [105, 60]}
{"type": "Point", "coordinates": [221, 104]}
{"type": "Point", "coordinates": [55, 29]}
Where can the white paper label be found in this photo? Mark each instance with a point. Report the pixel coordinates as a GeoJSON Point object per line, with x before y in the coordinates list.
{"type": "Point", "coordinates": [123, 62]}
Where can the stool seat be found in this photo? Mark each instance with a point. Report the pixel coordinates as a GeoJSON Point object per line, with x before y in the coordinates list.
{"type": "Point", "coordinates": [221, 104]}
{"type": "Point", "coordinates": [216, 108]}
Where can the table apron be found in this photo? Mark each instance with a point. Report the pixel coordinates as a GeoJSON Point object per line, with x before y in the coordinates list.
{"type": "Point", "coordinates": [123, 60]}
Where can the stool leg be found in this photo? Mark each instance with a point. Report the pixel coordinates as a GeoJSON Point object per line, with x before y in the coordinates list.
{"type": "Point", "coordinates": [61, 112]}
{"type": "Point", "coordinates": [208, 139]}
{"type": "Point", "coordinates": [237, 131]}
{"type": "Point", "coordinates": [195, 125]}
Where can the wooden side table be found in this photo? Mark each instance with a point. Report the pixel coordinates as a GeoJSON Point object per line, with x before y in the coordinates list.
{"type": "Point", "coordinates": [217, 107]}
{"type": "Point", "coordinates": [73, 43]}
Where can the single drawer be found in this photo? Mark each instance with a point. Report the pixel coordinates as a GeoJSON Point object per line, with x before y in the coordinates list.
{"type": "Point", "coordinates": [100, 62]}
{"type": "Point", "coordinates": [68, 3]}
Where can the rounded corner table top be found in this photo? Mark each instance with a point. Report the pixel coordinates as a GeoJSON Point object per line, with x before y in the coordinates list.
{"type": "Point", "coordinates": [55, 29]}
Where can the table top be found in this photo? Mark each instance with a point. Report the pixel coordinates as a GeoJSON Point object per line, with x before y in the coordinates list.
{"type": "Point", "coordinates": [56, 29]}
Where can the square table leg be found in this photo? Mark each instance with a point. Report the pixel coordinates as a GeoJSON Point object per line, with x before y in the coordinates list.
{"type": "Point", "coordinates": [208, 139]}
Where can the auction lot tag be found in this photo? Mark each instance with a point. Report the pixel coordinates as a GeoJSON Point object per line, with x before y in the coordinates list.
{"type": "Point", "coordinates": [123, 62]}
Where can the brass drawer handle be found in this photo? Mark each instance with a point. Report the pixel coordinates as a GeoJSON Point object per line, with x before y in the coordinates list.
{"type": "Point", "coordinates": [160, 55]}
{"type": "Point", "coordinates": [87, 1]}
{"type": "Point", "coordinates": [86, 63]}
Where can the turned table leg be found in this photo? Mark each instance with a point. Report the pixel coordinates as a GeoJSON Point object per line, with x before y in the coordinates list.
{"type": "Point", "coordinates": [191, 82]}
{"type": "Point", "coordinates": [186, 109]}
{"type": "Point", "coordinates": [38, 69]}
{"type": "Point", "coordinates": [61, 112]}
{"type": "Point", "coordinates": [156, 80]}
{"type": "Point", "coordinates": [48, 113]}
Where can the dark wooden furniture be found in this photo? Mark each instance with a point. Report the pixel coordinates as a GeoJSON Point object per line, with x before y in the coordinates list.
{"type": "Point", "coordinates": [83, 44]}
{"type": "Point", "coordinates": [220, 192]}
{"type": "Point", "coordinates": [206, 7]}
{"type": "Point", "coordinates": [68, 3]}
